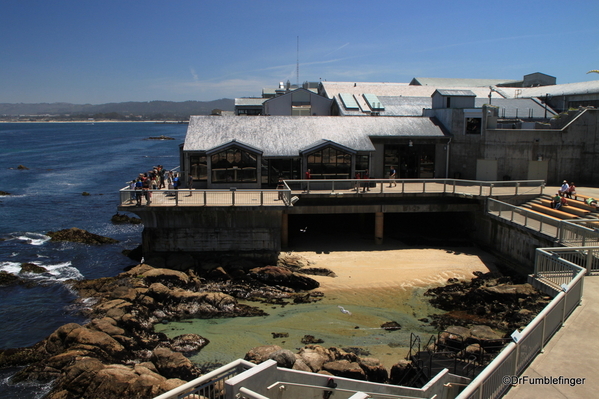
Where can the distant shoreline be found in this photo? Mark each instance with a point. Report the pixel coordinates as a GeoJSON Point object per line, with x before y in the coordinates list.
{"type": "Point", "coordinates": [101, 121]}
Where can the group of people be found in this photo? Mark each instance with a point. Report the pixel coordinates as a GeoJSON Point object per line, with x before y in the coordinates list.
{"type": "Point", "coordinates": [155, 179]}
{"type": "Point", "coordinates": [365, 185]}
{"type": "Point", "coordinates": [565, 191]}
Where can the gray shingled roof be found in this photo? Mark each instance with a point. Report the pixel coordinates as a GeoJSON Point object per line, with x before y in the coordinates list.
{"type": "Point", "coordinates": [455, 93]}
{"type": "Point", "coordinates": [257, 101]}
{"type": "Point", "coordinates": [284, 136]}
{"type": "Point", "coordinates": [456, 82]}
{"type": "Point", "coordinates": [394, 106]}
{"type": "Point", "coordinates": [567, 89]}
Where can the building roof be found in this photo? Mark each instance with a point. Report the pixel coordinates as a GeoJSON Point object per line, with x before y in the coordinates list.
{"type": "Point", "coordinates": [453, 82]}
{"type": "Point", "coordinates": [455, 93]}
{"type": "Point", "coordinates": [249, 101]}
{"type": "Point", "coordinates": [567, 89]}
{"type": "Point", "coordinates": [285, 136]}
{"type": "Point", "coordinates": [394, 106]}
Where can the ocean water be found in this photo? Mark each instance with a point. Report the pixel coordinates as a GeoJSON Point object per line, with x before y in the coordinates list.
{"type": "Point", "coordinates": [65, 160]}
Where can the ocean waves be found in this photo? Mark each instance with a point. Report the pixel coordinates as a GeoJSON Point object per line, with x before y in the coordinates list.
{"type": "Point", "coordinates": [53, 273]}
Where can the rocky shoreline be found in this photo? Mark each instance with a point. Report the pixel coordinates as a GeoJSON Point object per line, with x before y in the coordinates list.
{"type": "Point", "coordinates": [117, 353]}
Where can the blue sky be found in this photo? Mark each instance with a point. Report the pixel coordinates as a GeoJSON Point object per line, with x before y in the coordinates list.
{"type": "Point", "coordinates": [90, 51]}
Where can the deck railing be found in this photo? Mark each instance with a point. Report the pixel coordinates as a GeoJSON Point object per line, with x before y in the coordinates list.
{"type": "Point", "coordinates": [429, 186]}
{"type": "Point", "coordinates": [209, 386]}
{"type": "Point", "coordinates": [525, 217]}
{"type": "Point", "coordinates": [212, 197]}
{"type": "Point", "coordinates": [284, 197]}
{"type": "Point", "coordinates": [566, 283]}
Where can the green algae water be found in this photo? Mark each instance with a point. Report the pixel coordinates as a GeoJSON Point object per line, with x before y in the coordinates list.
{"type": "Point", "coordinates": [232, 338]}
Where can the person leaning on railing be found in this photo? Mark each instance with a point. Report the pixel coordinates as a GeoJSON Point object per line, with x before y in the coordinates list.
{"type": "Point", "coordinates": [280, 187]}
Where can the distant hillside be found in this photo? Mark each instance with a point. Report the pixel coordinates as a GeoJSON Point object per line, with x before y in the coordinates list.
{"type": "Point", "coordinates": [127, 110]}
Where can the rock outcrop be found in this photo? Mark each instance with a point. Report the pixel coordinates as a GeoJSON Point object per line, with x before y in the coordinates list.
{"type": "Point", "coordinates": [489, 299]}
{"type": "Point", "coordinates": [78, 235]}
{"type": "Point", "coordinates": [117, 354]}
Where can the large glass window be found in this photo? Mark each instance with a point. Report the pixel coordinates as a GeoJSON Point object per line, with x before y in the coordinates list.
{"type": "Point", "coordinates": [234, 165]}
{"type": "Point", "coordinates": [410, 161]}
{"type": "Point", "coordinates": [362, 162]}
{"type": "Point", "coordinates": [199, 167]}
{"type": "Point", "coordinates": [330, 163]}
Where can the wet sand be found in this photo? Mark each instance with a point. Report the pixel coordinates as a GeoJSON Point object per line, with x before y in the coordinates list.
{"type": "Point", "coordinates": [397, 268]}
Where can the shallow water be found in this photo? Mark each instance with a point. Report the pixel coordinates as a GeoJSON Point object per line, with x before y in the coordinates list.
{"type": "Point", "coordinates": [232, 338]}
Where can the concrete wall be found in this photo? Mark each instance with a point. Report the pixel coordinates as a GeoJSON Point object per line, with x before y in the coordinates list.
{"type": "Point", "coordinates": [509, 241]}
{"type": "Point", "coordinates": [572, 153]}
{"type": "Point", "coordinates": [205, 229]}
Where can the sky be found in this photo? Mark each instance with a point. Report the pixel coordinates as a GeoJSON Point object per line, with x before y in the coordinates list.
{"type": "Point", "coordinates": [94, 52]}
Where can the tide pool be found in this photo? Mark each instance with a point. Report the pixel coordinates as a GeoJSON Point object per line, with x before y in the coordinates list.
{"type": "Point", "coordinates": [232, 338]}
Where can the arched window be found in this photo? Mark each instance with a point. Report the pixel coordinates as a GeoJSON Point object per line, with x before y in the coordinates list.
{"type": "Point", "coordinates": [330, 163]}
{"type": "Point", "coordinates": [234, 165]}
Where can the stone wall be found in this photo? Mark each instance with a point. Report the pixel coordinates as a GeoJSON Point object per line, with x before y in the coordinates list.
{"type": "Point", "coordinates": [210, 230]}
{"type": "Point", "coordinates": [509, 241]}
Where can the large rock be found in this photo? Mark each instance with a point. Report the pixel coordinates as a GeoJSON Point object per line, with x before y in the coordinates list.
{"type": "Point", "coordinates": [7, 278]}
{"type": "Point", "coordinates": [284, 358]}
{"type": "Point", "coordinates": [167, 276]}
{"type": "Point", "coordinates": [315, 356]}
{"type": "Point", "coordinates": [84, 337]}
{"type": "Point", "coordinates": [374, 370]}
{"type": "Point", "coordinates": [78, 235]}
{"type": "Point", "coordinates": [262, 353]}
{"type": "Point", "coordinates": [345, 368]}
{"type": "Point", "coordinates": [174, 364]}
{"type": "Point", "coordinates": [277, 275]}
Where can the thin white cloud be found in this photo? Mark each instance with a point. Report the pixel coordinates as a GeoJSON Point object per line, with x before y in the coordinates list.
{"type": "Point", "coordinates": [194, 75]}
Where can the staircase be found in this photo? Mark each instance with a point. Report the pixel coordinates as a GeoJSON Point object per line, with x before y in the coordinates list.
{"type": "Point", "coordinates": [575, 208]}
{"type": "Point", "coordinates": [428, 360]}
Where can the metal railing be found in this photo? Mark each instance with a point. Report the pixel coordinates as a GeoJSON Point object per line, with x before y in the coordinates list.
{"type": "Point", "coordinates": [209, 386]}
{"type": "Point", "coordinates": [525, 217]}
{"type": "Point", "coordinates": [571, 232]}
{"type": "Point", "coordinates": [193, 197]}
{"type": "Point", "coordinates": [565, 280]}
{"type": "Point", "coordinates": [270, 197]}
{"type": "Point", "coordinates": [579, 232]}
{"type": "Point", "coordinates": [405, 186]}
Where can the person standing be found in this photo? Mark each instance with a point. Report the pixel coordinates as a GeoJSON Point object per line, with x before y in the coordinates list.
{"type": "Point", "coordinates": [392, 176]}
{"type": "Point", "coordinates": [366, 184]}
{"type": "Point", "coordinates": [280, 188]}
{"type": "Point", "coordinates": [308, 174]}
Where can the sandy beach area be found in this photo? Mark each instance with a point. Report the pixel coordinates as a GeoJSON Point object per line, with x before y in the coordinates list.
{"type": "Point", "coordinates": [397, 268]}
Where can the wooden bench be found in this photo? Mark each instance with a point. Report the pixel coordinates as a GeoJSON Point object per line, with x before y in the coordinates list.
{"type": "Point", "coordinates": [553, 212]}
{"type": "Point", "coordinates": [543, 214]}
{"type": "Point", "coordinates": [581, 197]}
{"type": "Point", "coordinates": [568, 208]}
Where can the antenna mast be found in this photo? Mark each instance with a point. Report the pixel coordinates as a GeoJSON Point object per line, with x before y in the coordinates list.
{"type": "Point", "coordinates": [297, 67]}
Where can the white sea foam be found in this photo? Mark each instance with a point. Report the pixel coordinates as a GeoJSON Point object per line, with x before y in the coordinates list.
{"type": "Point", "coordinates": [57, 272]}
{"type": "Point", "coordinates": [33, 238]}
{"type": "Point", "coordinates": [10, 267]}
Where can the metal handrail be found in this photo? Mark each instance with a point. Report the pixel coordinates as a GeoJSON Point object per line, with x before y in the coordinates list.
{"type": "Point", "coordinates": [514, 358]}
{"type": "Point", "coordinates": [220, 374]}
{"type": "Point", "coordinates": [334, 185]}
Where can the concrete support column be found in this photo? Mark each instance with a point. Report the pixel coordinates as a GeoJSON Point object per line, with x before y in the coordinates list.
{"type": "Point", "coordinates": [285, 231]}
{"type": "Point", "coordinates": [379, 218]}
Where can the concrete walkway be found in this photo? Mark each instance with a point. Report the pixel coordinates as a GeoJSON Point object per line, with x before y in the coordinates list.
{"type": "Point", "coordinates": [573, 352]}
